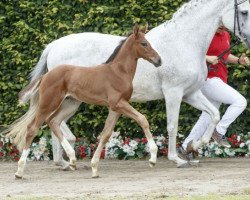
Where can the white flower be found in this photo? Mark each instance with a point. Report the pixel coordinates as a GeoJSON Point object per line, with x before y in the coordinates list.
{"type": "Point", "coordinates": [131, 153]}
{"type": "Point", "coordinates": [211, 145]}
{"type": "Point", "coordinates": [111, 153]}
{"type": "Point", "coordinates": [113, 142]}
{"type": "Point", "coordinates": [218, 151]}
{"type": "Point", "coordinates": [238, 138]}
{"type": "Point", "coordinates": [229, 152]}
{"type": "Point", "coordinates": [158, 143]}
{"type": "Point", "coordinates": [160, 138]}
{"type": "Point", "coordinates": [206, 154]}
{"type": "Point", "coordinates": [6, 139]}
{"type": "Point", "coordinates": [133, 144]}
{"type": "Point", "coordinates": [247, 142]}
{"type": "Point", "coordinates": [128, 150]}
{"type": "Point", "coordinates": [200, 151]}
{"type": "Point", "coordinates": [147, 148]}
{"type": "Point", "coordinates": [242, 144]}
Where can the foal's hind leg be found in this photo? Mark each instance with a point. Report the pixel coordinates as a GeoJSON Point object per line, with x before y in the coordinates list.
{"type": "Point", "coordinates": [32, 130]}
{"type": "Point", "coordinates": [125, 108]}
{"type": "Point", "coordinates": [105, 135]}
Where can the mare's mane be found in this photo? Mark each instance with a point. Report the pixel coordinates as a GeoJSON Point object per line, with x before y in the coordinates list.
{"type": "Point", "coordinates": [117, 49]}
{"type": "Point", "coordinates": [184, 9]}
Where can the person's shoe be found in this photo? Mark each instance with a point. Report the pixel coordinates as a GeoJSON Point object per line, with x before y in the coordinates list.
{"type": "Point", "coordinates": [187, 154]}
{"type": "Point", "coordinates": [220, 139]}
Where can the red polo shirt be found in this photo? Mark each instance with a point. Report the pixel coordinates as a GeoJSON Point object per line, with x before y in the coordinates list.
{"type": "Point", "coordinates": [220, 43]}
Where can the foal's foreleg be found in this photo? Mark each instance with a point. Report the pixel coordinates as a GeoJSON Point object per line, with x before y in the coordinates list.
{"type": "Point", "coordinates": [125, 108]}
{"type": "Point", "coordinates": [105, 135]}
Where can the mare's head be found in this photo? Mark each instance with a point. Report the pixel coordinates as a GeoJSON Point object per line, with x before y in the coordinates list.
{"type": "Point", "coordinates": [236, 18]}
{"type": "Point", "coordinates": [142, 47]}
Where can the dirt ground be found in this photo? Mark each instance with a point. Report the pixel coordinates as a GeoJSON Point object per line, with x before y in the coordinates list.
{"type": "Point", "coordinates": [126, 179]}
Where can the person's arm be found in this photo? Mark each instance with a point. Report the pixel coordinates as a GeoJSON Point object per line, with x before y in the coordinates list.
{"type": "Point", "coordinates": [212, 59]}
{"type": "Point", "coordinates": [243, 60]}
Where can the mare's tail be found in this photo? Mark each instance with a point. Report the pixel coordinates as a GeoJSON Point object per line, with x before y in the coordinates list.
{"type": "Point", "coordinates": [41, 66]}
{"type": "Point", "coordinates": [18, 129]}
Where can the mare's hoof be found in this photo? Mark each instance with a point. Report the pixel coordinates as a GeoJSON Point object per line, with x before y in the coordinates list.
{"type": "Point", "coordinates": [95, 176]}
{"type": "Point", "coordinates": [184, 165]}
{"type": "Point", "coordinates": [18, 177]}
{"type": "Point", "coordinates": [195, 163]}
{"type": "Point", "coordinates": [151, 164]}
{"type": "Point", "coordinates": [72, 167]}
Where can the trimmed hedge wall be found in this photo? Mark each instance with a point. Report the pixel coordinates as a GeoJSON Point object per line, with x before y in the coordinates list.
{"type": "Point", "coordinates": [27, 26]}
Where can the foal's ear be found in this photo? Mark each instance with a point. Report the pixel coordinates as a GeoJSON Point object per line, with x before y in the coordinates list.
{"type": "Point", "coordinates": [136, 30]}
{"type": "Point", "coordinates": [145, 28]}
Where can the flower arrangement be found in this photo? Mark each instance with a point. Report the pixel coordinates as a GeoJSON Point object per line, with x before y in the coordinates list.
{"type": "Point", "coordinates": [240, 146]}
{"type": "Point", "coordinates": [120, 148]}
{"type": "Point", "coordinates": [125, 148]}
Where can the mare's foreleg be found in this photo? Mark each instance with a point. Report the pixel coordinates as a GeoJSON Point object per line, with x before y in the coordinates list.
{"type": "Point", "coordinates": [125, 108]}
{"type": "Point", "coordinates": [105, 135]}
{"type": "Point", "coordinates": [173, 98]}
{"type": "Point", "coordinates": [199, 101]}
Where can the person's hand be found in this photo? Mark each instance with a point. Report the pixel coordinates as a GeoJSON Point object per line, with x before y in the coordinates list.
{"type": "Point", "coordinates": [212, 59]}
{"type": "Point", "coordinates": [243, 60]}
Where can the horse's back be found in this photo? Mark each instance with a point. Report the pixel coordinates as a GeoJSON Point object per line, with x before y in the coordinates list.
{"type": "Point", "coordinates": [84, 49]}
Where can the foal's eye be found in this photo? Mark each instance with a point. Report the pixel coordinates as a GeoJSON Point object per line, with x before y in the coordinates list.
{"type": "Point", "coordinates": [144, 44]}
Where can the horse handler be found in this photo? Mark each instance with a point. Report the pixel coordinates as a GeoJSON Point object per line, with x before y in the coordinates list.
{"type": "Point", "coordinates": [217, 92]}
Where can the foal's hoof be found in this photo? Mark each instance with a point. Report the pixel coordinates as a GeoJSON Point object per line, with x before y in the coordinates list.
{"type": "Point", "coordinates": [72, 167]}
{"type": "Point", "coordinates": [151, 164]}
{"type": "Point", "coordinates": [183, 165]}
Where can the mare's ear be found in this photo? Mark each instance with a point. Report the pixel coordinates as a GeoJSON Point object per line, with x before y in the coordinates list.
{"type": "Point", "coordinates": [145, 28]}
{"type": "Point", "coordinates": [136, 30]}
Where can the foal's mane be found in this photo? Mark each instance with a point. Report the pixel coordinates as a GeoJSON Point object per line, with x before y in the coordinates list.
{"type": "Point", "coordinates": [117, 49]}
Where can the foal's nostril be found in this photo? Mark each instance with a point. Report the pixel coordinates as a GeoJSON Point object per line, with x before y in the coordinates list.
{"type": "Point", "coordinates": [158, 62]}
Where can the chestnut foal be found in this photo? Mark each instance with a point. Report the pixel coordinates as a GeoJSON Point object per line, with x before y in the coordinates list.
{"type": "Point", "coordinates": [108, 84]}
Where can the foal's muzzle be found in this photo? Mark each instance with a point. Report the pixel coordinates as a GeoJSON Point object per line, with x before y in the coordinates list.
{"type": "Point", "coordinates": [156, 61]}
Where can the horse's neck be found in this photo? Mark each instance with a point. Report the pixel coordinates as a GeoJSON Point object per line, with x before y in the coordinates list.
{"type": "Point", "coordinates": [126, 60]}
{"type": "Point", "coordinates": [196, 24]}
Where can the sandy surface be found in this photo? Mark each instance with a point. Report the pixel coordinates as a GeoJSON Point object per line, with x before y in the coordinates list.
{"type": "Point", "coordinates": [126, 179]}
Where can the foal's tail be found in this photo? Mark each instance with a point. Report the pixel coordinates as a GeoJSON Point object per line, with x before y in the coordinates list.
{"type": "Point", "coordinates": [18, 129]}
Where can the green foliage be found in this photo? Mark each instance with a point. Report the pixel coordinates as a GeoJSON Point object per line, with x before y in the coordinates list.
{"type": "Point", "coordinates": [27, 26]}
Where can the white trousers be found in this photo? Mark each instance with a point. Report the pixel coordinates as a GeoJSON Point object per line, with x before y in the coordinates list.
{"type": "Point", "coordinates": [218, 92]}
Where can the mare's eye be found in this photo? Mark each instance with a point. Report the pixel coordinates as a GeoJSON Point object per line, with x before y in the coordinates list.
{"type": "Point", "coordinates": [244, 12]}
{"type": "Point", "coordinates": [144, 44]}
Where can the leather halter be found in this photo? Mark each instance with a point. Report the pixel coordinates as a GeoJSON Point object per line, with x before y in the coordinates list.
{"type": "Point", "coordinates": [236, 22]}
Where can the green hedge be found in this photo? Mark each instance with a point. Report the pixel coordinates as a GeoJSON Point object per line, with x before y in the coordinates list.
{"type": "Point", "coordinates": [27, 26]}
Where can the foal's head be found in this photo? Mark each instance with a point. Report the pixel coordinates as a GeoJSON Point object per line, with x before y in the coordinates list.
{"type": "Point", "coordinates": [142, 47]}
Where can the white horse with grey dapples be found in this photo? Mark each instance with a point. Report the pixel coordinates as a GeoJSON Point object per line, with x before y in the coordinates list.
{"type": "Point", "coordinates": [182, 43]}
